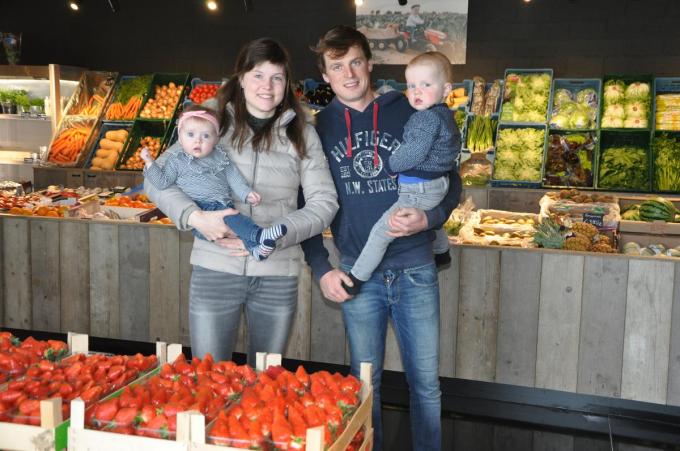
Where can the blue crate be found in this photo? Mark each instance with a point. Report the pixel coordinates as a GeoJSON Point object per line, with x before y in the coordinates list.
{"type": "Point", "coordinates": [627, 79]}
{"type": "Point", "coordinates": [663, 85]}
{"type": "Point", "coordinates": [520, 183]}
{"type": "Point", "coordinates": [527, 72]}
{"type": "Point", "coordinates": [574, 85]}
{"type": "Point", "coordinates": [105, 127]}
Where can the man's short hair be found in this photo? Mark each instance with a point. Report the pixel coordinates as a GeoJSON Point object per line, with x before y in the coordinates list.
{"type": "Point", "coordinates": [337, 41]}
{"type": "Point", "coordinates": [436, 59]}
{"type": "Point", "coordinates": [415, 6]}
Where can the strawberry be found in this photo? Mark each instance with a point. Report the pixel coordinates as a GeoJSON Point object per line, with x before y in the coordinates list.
{"type": "Point", "coordinates": [157, 427]}
{"type": "Point", "coordinates": [125, 416]}
{"type": "Point", "coordinates": [105, 411]}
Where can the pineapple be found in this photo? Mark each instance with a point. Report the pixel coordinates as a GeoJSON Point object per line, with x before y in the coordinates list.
{"type": "Point", "coordinates": [583, 228]}
{"type": "Point", "coordinates": [549, 234]}
{"type": "Point", "coordinates": [577, 243]}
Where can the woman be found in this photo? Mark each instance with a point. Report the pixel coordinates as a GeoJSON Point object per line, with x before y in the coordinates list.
{"type": "Point", "coordinates": [266, 135]}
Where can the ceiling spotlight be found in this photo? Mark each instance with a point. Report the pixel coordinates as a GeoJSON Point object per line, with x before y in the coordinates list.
{"type": "Point", "coordinates": [211, 5]}
{"type": "Point", "coordinates": [527, 1]}
{"type": "Point", "coordinates": [73, 4]}
{"type": "Point", "coordinates": [358, 2]}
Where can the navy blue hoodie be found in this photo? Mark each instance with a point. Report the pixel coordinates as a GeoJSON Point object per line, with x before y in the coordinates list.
{"type": "Point", "coordinates": [365, 190]}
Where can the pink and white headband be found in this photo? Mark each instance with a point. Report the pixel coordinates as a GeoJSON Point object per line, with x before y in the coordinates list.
{"type": "Point", "coordinates": [201, 115]}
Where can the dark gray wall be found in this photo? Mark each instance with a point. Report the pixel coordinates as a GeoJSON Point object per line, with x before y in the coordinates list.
{"type": "Point", "coordinates": [577, 38]}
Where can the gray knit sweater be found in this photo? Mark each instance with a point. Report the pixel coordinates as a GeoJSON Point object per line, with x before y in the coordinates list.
{"type": "Point", "coordinates": [430, 145]}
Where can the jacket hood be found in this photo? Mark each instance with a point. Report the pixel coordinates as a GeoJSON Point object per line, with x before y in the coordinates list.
{"type": "Point", "coordinates": [336, 106]}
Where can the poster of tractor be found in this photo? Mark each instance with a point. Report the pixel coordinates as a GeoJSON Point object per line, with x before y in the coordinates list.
{"type": "Point", "coordinates": [398, 33]}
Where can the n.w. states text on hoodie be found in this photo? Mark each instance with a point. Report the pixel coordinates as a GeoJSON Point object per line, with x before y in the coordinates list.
{"type": "Point", "coordinates": [357, 145]}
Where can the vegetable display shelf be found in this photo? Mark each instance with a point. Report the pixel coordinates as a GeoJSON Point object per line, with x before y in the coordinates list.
{"type": "Point", "coordinates": [164, 79]}
{"type": "Point", "coordinates": [666, 85]}
{"type": "Point", "coordinates": [570, 159]}
{"type": "Point", "coordinates": [121, 94]}
{"type": "Point", "coordinates": [538, 89]}
{"type": "Point", "coordinates": [615, 96]}
{"type": "Point", "coordinates": [513, 156]}
{"type": "Point", "coordinates": [574, 86]}
{"type": "Point", "coordinates": [140, 130]}
{"type": "Point", "coordinates": [106, 127]}
{"type": "Point", "coordinates": [619, 159]}
{"type": "Point", "coordinates": [665, 165]}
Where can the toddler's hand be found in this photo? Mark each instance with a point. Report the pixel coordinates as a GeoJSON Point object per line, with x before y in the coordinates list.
{"type": "Point", "coordinates": [145, 154]}
{"type": "Point", "coordinates": [253, 198]}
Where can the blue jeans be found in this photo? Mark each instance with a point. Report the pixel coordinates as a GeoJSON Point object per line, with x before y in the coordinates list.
{"type": "Point", "coordinates": [215, 303]}
{"type": "Point", "coordinates": [409, 297]}
{"type": "Point", "coordinates": [242, 225]}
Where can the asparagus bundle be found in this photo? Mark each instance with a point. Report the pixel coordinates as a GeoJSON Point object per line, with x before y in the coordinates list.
{"type": "Point", "coordinates": [480, 134]}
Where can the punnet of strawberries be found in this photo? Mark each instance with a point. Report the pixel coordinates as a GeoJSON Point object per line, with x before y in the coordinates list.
{"type": "Point", "coordinates": [89, 377]}
{"type": "Point", "coordinates": [16, 355]}
{"type": "Point", "coordinates": [277, 410]}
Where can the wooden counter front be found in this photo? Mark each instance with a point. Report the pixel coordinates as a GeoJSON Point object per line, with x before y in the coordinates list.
{"type": "Point", "coordinates": [578, 322]}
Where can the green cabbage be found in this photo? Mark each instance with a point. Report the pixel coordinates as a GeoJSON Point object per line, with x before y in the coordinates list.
{"type": "Point", "coordinates": [635, 109]}
{"type": "Point", "coordinates": [611, 122]}
{"type": "Point", "coordinates": [635, 122]}
{"type": "Point", "coordinates": [615, 111]}
{"type": "Point", "coordinates": [588, 96]}
{"type": "Point", "coordinates": [580, 120]}
{"type": "Point", "coordinates": [614, 91]}
{"type": "Point", "coordinates": [561, 97]}
{"type": "Point", "coordinates": [637, 90]}
{"type": "Point", "coordinates": [559, 121]}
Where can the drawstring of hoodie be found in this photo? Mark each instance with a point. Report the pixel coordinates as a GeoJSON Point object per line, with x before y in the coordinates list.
{"type": "Point", "coordinates": [348, 123]}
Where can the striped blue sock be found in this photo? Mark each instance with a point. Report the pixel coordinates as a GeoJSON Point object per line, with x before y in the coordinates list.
{"type": "Point", "coordinates": [272, 233]}
{"type": "Point", "coordinates": [264, 250]}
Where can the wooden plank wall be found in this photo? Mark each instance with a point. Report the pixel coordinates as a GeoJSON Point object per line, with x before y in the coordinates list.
{"type": "Point", "coordinates": [584, 323]}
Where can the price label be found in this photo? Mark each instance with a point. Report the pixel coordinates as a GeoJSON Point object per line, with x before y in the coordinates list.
{"type": "Point", "coordinates": [594, 218]}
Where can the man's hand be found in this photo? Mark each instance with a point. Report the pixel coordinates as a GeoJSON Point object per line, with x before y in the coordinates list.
{"type": "Point", "coordinates": [211, 223]}
{"type": "Point", "coordinates": [331, 285]}
{"type": "Point", "coordinates": [406, 221]}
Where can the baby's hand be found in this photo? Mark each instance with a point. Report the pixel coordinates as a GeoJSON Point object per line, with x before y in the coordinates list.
{"type": "Point", "coordinates": [146, 155]}
{"type": "Point", "coordinates": [253, 198]}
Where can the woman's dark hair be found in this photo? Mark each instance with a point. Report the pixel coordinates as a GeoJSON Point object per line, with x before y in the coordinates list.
{"type": "Point", "coordinates": [260, 50]}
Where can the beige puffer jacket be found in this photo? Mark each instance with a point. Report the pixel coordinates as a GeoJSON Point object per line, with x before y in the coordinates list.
{"type": "Point", "coordinates": [275, 174]}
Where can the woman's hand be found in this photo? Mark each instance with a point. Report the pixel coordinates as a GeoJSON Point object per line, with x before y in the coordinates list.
{"type": "Point", "coordinates": [211, 223]}
{"type": "Point", "coordinates": [238, 249]}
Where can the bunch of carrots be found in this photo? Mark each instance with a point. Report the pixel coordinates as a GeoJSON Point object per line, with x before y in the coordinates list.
{"type": "Point", "coordinates": [68, 144]}
{"type": "Point", "coordinates": [94, 105]}
{"type": "Point", "coordinates": [117, 111]}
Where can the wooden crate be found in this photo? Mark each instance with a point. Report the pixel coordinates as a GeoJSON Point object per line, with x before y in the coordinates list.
{"type": "Point", "coordinates": [315, 436]}
{"type": "Point", "coordinates": [81, 439]}
{"type": "Point", "coordinates": [53, 432]}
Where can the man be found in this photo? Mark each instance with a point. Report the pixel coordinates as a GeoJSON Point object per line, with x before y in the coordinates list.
{"type": "Point", "coordinates": [359, 131]}
{"type": "Point", "coordinates": [413, 20]}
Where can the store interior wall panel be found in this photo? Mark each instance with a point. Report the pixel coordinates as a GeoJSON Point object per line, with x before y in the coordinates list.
{"type": "Point", "coordinates": [449, 290]}
{"type": "Point", "coordinates": [133, 266]}
{"type": "Point", "coordinates": [478, 314]}
{"type": "Point", "coordinates": [647, 331]}
{"type": "Point", "coordinates": [186, 244]}
{"type": "Point", "coordinates": [551, 441]}
{"type": "Point", "coordinates": [45, 275]}
{"type": "Point", "coordinates": [74, 269]}
{"type": "Point", "coordinates": [104, 281]}
{"type": "Point", "coordinates": [674, 359]}
{"type": "Point", "coordinates": [17, 273]}
{"type": "Point", "coordinates": [327, 333]}
{"type": "Point", "coordinates": [603, 313]}
{"type": "Point", "coordinates": [164, 292]}
{"type": "Point", "coordinates": [520, 289]}
{"type": "Point", "coordinates": [592, 444]}
{"type": "Point", "coordinates": [508, 438]}
{"type": "Point", "coordinates": [517, 199]}
{"type": "Point", "coordinates": [298, 341]}
{"type": "Point", "coordinates": [559, 319]}
{"type": "Point", "coordinates": [473, 435]}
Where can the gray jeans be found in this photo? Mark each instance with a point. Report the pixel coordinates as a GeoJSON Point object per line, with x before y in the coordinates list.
{"type": "Point", "coordinates": [215, 303]}
{"type": "Point", "coordinates": [424, 195]}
